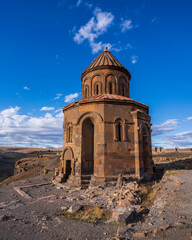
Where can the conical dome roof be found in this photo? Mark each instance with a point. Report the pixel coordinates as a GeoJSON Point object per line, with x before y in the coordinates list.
{"type": "Point", "coordinates": [103, 61]}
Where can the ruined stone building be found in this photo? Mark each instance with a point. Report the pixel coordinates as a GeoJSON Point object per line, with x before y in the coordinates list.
{"type": "Point", "coordinates": [105, 132]}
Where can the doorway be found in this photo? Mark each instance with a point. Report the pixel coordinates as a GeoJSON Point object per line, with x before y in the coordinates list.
{"type": "Point", "coordinates": [68, 168]}
{"type": "Point", "coordinates": [87, 164]}
{"type": "Point", "coordinates": [68, 156]}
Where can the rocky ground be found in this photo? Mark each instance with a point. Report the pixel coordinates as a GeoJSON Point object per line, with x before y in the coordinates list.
{"type": "Point", "coordinates": [36, 215]}
{"type": "Point", "coordinates": [35, 208]}
{"type": "Point", "coordinates": [31, 161]}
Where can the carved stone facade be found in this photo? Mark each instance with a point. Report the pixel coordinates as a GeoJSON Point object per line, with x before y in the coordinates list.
{"type": "Point", "coordinates": [105, 133]}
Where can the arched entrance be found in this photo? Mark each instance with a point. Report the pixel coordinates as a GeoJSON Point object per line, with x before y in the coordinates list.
{"type": "Point", "coordinates": [145, 150]}
{"type": "Point", "coordinates": [87, 164]}
{"type": "Point", "coordinates": [67, 161]}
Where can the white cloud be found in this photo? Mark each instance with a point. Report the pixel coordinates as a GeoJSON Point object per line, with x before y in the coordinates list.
{"type": "Point", "coordinates": [17, 129]}
{"type": "Point", "coordinates": [58, 110]}
{"type": "Point", "coordinates": [47, 108]}
{"type": "Point", "coordinates": [95, 27]}
{"type": "Point", "coordinates": [182, 140]}
{"type": "Point", "coordinates": [10, 111]}
{"type": "Point", "coordinates": [78, 3]}
{"type": "Point", "coordinates": [60, 114]}
{"type": "Point", "coordinates": [24, 130]}
{"type": "Point", "coordinates": [134, 59]}
{"type": "Point", "coordinates": [161, 135]}
{"type": "Point", "coordinates": [88, 5]}
{"type": "Point", "coordinates": [126, 25]}
{"type": "Point", "coordinates": [128, 46]}
{"type": "Point", "coordinates": [96, 47]}
{"type": "Point", "coordinates": [71, 97]}
{"type": "Point", "coordinates": [58, 95]}
{"type": "Point", "coordinates": [26, 88]}
{"type": "Point", "coordinates": [117, 49]}
{"type": "Point", "coordinates": [189, 118]}
{"type": "Point", "coordinates": [167, 126]}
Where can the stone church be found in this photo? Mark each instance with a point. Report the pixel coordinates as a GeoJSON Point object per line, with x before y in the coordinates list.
{"type": "Point", "coordinates": [105, 132]}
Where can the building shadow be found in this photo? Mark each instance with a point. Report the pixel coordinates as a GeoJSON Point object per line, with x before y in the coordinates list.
{"type": "Point", "coordinates": [172, 165]}
{"type": "Point", "coordinates": [7, 163]}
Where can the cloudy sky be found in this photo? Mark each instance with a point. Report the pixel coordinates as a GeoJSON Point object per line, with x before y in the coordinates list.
{"type": "Point", "coordinates": [46, 44]}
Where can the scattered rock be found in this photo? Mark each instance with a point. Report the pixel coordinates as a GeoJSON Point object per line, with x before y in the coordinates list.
{"type": "Point", "coordinates": [45, 218]}
{"type": "Point", "coordinates": [119, 181]}
{"type": "Point", "coordinates": [113, 238]}
{"type": "Point", "coordinates": [177, 223]}
{"type": "Point", "coordinates": [155, 231]}
{"type": "Point", "coordinates": [165, 227]}
{"type": "Point", "coordinates": [62, 197]}
{"type": "Point", "coordinates": [4, 218]}
{"type": "Point", "coordinates": [178, 183]}
{"type": "Point", "coordinates": [143, 210]}
{"type": "Point", "coordinates": [64, 208]}
{"type": "Point", "coordinates": [140, 234]}
{"type": "Point", "coordinates": [123, 215]}
{"type": "Point", "coordinates": [75, 208]}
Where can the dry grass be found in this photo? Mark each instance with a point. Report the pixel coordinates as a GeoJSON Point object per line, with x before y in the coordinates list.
{"type": "Point", "coordinates": [148, 194]}
{"type": "Point", "coordinates": [88, 214]}
{"type": "Point", "coordinates": [23, 175]}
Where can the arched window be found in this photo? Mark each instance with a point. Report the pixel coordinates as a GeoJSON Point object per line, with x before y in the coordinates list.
{"type": "Point", "coordinates": [123, 90]}
{"type": "Point", "coordinates": [69, 133]}
{"type": "Point", "coordinates": [110, 81]}
{"type": "Point", "coordinates": [110, 88]}
{"type": "Point", "coordinates": [86, 91]}
{"type": "Point", "coordinates": [118, 130]}
{"type": "Point", "coordinates": [97, 89]}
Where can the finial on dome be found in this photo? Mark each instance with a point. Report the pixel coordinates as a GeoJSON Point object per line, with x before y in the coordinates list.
{"type": "Point", "coordinates": [106, 49]}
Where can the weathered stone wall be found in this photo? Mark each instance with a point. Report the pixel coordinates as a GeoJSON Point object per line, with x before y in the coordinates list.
{"type": "Point", "coordinates": [106, 79]}
{"type": "Point", "coordinates": [112, 156]}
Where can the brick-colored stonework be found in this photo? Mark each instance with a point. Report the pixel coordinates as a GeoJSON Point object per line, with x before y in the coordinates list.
{"type": "Point", "coordinates": [105, 133]}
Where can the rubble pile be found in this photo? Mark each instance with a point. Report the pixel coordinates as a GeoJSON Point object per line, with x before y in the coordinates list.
{"type": "Point", "coordinates": [128, 195]}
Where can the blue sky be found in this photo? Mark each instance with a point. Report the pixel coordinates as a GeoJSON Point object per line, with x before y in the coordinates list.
{"type": "Point", "coordinates": [46, 44]}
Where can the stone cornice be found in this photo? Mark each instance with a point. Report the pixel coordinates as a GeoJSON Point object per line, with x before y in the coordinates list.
{"type": "Point", "coordinates": [126, 101]}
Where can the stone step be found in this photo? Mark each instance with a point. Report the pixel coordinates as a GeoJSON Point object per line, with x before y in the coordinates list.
{"type": "Point", "coordinates": [85, 181]}
{"type": "Point", "coordinates": [58, 179]}
{"type": "Point", "coordinates": [70, 177]}
{"type": "Point", "coordinates": [70, 181]}
{"type": "Point", "coordinates": [84, 186]}
{"type": "Point", "coordinates": [86, 177]}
